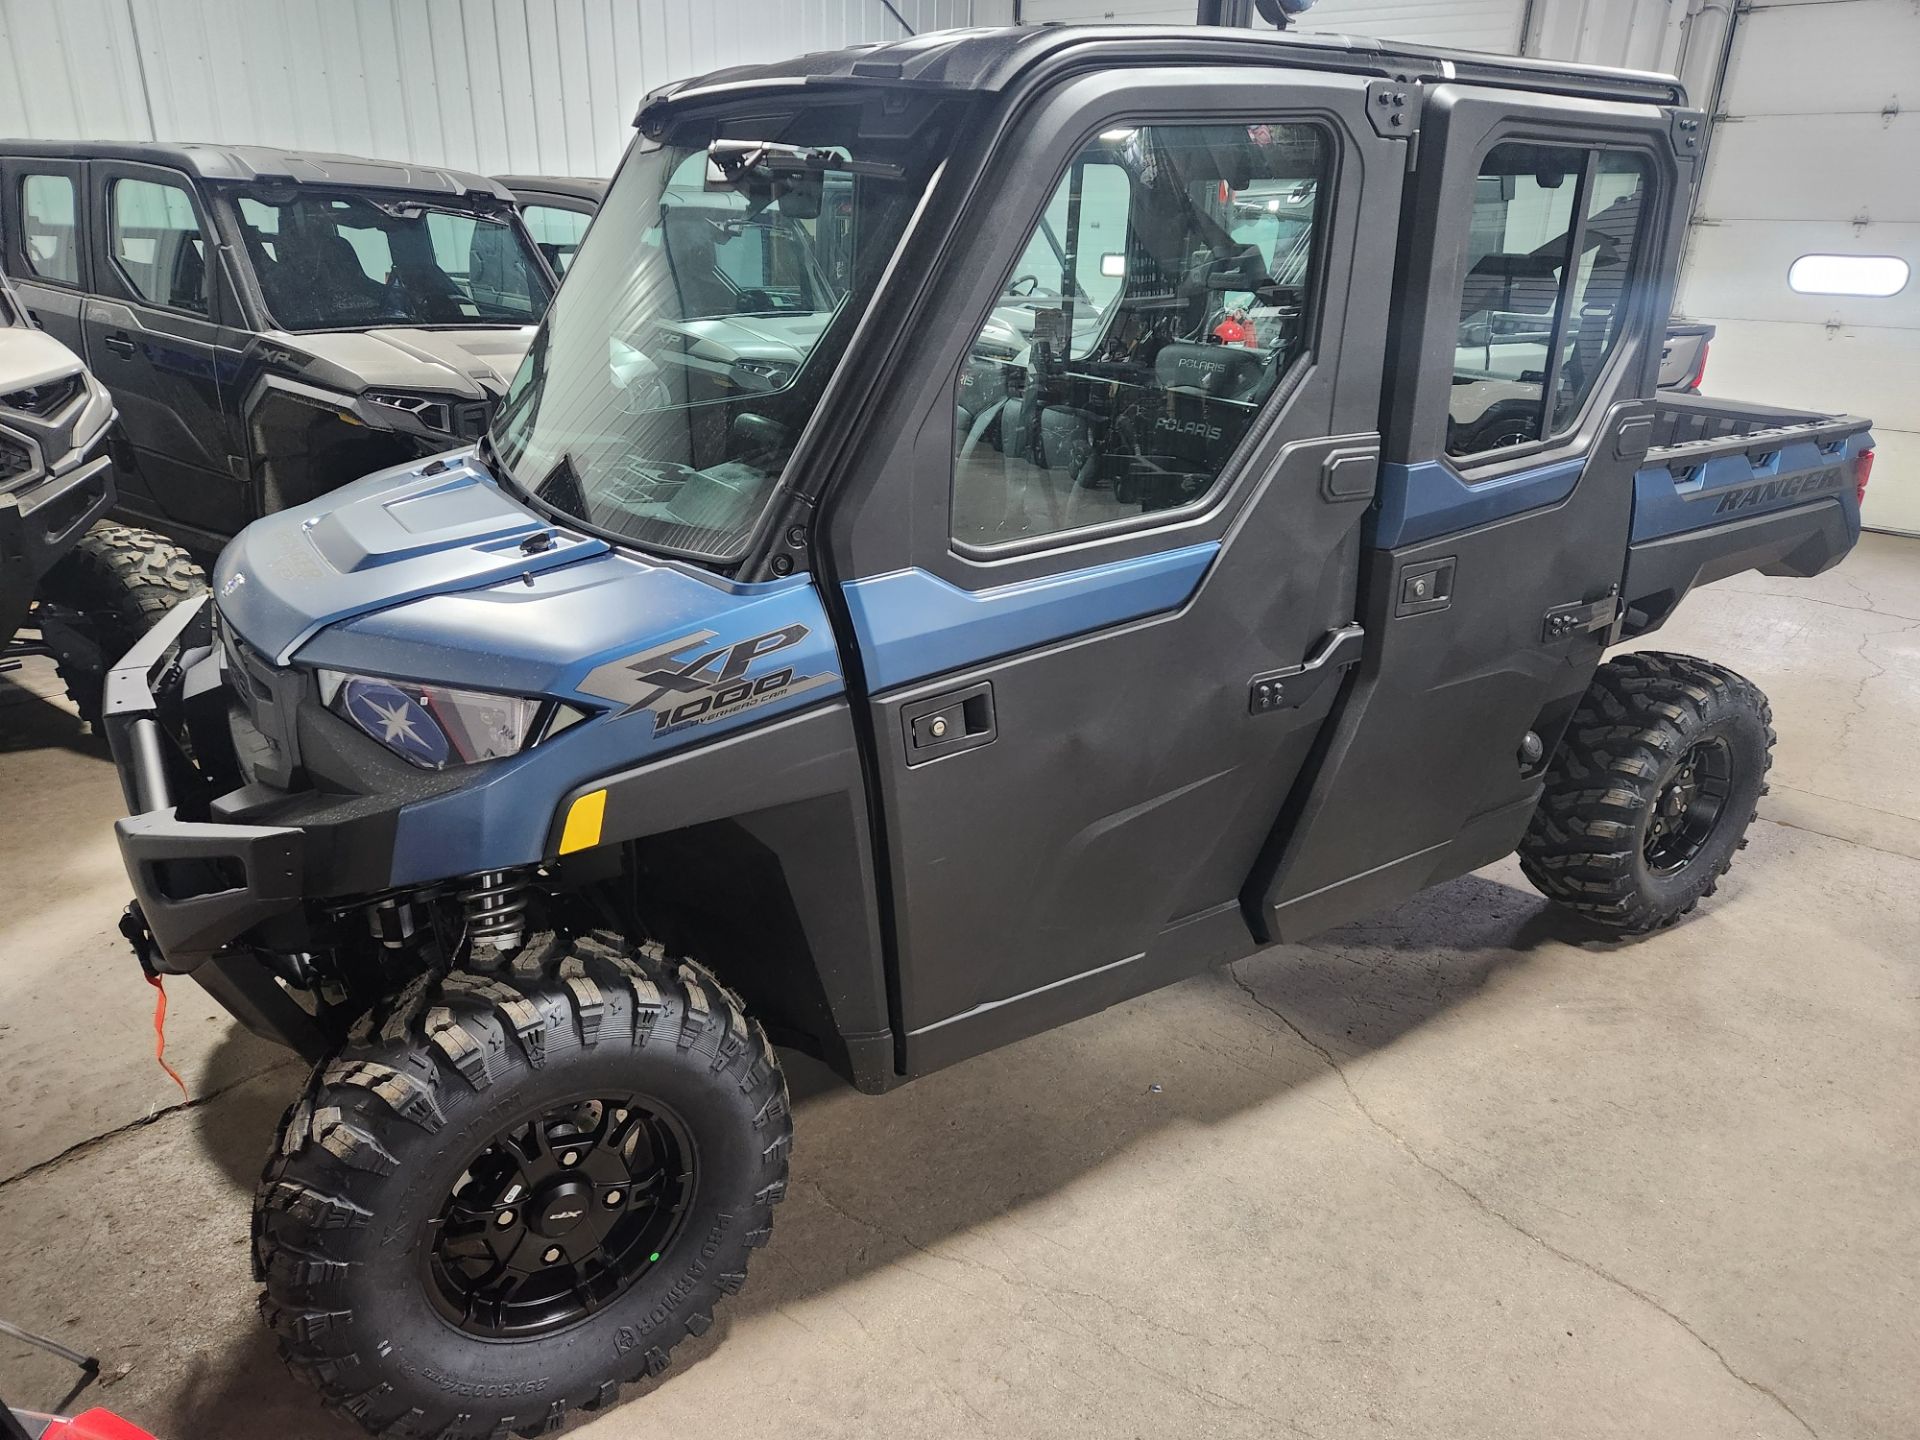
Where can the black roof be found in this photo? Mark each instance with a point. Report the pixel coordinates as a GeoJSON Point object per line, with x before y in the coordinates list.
{"type": "Point", "coordinates": [579, 187]}
{"type": "Point", "coordinates": [247, 163]}
{"type": "Point", "coordinates": [993, 59]}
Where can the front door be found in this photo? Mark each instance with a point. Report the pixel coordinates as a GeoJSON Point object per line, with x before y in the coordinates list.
{"type": "Point", "coordinates": [1124, 599]}
{"type": "Point", "coordinates": [153, 339]}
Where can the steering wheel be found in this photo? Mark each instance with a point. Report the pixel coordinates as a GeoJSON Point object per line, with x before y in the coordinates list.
{"type": "Point", "coordinates": [1032, 282]}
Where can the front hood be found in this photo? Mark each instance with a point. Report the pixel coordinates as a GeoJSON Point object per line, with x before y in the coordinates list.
{"type": "Point", "coordinates": [32, 357]}
{"type": "Point", "coordinates": [758, 337]}
{"type": "Point", "coordinates": [475, 364]}
{"type": "Point", "coordinates": [379, 542]}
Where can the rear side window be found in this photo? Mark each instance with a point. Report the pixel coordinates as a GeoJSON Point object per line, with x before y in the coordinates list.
{"type": "Point", "coordinates": [157, 244]}
{"type": "Point", "coordinates": [557, 232]}
{"type": "Point", "coordinates": [1161, 296]}
{"type": "Point", "coordinates": [1551, 284]}
{"type": "Point", "coordinates": [47, 229]}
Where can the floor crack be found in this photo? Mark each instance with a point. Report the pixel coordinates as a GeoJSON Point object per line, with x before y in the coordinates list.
{"type": "Point", "coordinates": [1480, 1204]}
{"type": "Point", "coordinates": [94, 1142]}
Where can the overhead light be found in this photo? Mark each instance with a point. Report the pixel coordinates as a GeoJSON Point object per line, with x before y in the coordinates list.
{"type": "Point", "coordinates": [1116, 137]}
{"type": "Point", "coordinates": [1873, 276]}
{"type": "Point", "coordinates": [1273, 206]}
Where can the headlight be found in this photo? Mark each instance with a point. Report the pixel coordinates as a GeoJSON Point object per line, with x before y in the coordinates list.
{"type": "Point", "coordinates": [762, 374]}
{"type": "Point", "coordinates": [432, 414]}
{"type": "Point", "coordinates": [435, 726]}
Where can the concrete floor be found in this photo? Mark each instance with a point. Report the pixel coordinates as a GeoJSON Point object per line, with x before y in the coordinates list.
{"type": "Point", "coordinates": [1455, 1172]}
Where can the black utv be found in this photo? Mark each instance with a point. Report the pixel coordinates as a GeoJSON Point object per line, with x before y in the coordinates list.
{"type": "Point", "coordinates": [272, 323]}
{"type": "Point", "coordinates": [956, 672]}
{"type": "Point", "coordinates": [73, 585]}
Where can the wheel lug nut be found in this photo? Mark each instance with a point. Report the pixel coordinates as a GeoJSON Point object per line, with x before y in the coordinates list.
{"type": "Point", "coordinates": [503, 1219]}
{"type": "Point", "coordinates": [619, 1117]}
{"type": "Point", "coordinates": [553, 1254]}
{"type": "Point", "coordinates": [614, 1197]}
{"type": "Point", "coordinates": [572, 1157]}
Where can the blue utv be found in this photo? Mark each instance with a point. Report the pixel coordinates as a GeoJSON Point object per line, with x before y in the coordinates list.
{"type": "Point", "coordinates": [991, 525]}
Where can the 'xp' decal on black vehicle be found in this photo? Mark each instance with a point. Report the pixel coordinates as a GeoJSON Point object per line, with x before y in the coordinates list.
{"type": "Point", "coordinates": [691, 681]}
{"type": "Point", "coordinates": [1765, 492]}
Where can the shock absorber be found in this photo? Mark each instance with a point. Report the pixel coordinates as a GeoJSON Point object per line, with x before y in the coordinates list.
{"type": "Point", "coordinates": [495, 906]}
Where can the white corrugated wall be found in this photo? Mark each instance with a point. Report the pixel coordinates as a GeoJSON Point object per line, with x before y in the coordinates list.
{"type": "Point", "coordinates": [538, 86]}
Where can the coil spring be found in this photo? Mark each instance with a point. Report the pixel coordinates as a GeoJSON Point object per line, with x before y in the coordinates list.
{"type": "Point", "coordinates": [496, 908]}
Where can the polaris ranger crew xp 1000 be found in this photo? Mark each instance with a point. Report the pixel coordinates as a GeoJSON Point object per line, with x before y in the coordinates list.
{"type": "Point", "coordinates": [931, 680]}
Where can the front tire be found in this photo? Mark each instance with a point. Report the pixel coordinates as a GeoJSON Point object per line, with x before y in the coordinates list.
{"type": "Point", "coordinates": [512, 1192]}
{"type": "Point", "coordinates": [116, 584]}
{"type": "Point", "coordinates": [1651, 792]}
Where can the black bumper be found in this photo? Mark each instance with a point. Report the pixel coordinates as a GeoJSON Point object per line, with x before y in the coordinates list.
{"type": "Point", "coordinates": [40, 525]}
{"type": "Point", "coordinates": [200, 884]}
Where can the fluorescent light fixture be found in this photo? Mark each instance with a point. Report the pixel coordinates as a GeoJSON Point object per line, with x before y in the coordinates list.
{"type": "Point", "coordinates": [1113, 266]}
{"type": "Point", "coordinates": [1873, 276]}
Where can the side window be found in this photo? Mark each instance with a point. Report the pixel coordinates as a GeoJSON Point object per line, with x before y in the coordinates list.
{"type": "Point", "coordinates": [157, 243]}
{"type": "Point", "coordinates": [47, 228]}
{"type": "Point", "coordinates": [1162, 295]}
{"type": "Point", "coordinates": [557, 232]}
{"type": "Point", "coordinates": [1533, 338]}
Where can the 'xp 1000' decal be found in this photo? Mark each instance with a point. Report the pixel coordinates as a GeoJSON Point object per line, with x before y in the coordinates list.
{"type": "Point", "coordinates": [691, 681]}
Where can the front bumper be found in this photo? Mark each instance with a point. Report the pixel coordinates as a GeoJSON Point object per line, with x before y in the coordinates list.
{"type": "Point", "coordinates": [200, 884]}
{"type": "Point", "coordinates": [40, 524]}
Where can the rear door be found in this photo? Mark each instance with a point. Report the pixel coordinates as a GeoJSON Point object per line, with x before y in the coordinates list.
{"type": "Point", "coordinates": [1135, 480]}
{"type": "Point", "coordinates": [42, 202]}
{"type": "Point", "coordinates": [154, 338]}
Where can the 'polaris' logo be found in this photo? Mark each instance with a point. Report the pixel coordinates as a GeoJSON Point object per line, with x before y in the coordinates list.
{"type": "Point", "coordinates": [1765, 492]}
{"type": "Point", "coordinates": [1185, 362]}
{"type": "Point", "coordinates": [1187, 427]}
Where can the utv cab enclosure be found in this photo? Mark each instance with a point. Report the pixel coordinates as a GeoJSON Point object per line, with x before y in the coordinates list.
{"type": "Point", "coordinates": [556, 209]}
{"type": "Point", "coordinates": [272, 323]}
{"type": "Point", "coordinates": [1191, 515]}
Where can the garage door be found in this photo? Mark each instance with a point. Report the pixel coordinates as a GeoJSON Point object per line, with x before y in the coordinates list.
{"type": "Point", "coordinates": [1465, 24]}
{"type": "Point", "coordinates": [1817, 154]}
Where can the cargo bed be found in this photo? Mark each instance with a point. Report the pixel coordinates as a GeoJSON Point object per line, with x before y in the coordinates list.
{"type": "Point", "coordinates": [1727, 487]}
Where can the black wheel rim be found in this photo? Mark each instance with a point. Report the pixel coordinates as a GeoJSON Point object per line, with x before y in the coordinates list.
{"type": "Point", "coordinates": [559, 1215]}
{"type": "Point", "coordinates": [1689, 807]}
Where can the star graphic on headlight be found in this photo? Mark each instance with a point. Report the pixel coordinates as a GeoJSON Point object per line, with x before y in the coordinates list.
{"type": "Point", "coordinates": [396, 723]}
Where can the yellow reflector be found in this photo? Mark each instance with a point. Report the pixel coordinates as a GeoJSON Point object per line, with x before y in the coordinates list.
{"type": "Point", "coordinates": [583, 823]}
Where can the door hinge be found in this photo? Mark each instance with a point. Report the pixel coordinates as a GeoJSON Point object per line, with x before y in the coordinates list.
{"type": "Point", "coordinates": [1394, 108]}
{"type": "Point", "coordinates": [1288, 689]}
{"type": "Point", "coordinates": [1582, 616]}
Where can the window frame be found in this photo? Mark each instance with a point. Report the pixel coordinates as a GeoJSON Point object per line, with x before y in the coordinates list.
{"type": "Point", "coordinates": [76, 185]}
{"type": "Point", "coordinates": [1554, 438]}
{"type": "Point", "coordinates": [1227, 484]}
{"type": "Point", "coordinates": [163, 176]}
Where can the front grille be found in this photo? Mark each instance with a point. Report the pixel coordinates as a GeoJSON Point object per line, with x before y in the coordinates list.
{"type": "Point", "coordinates": [47, 399]}
{"type": "Point", "coordinates": [15, 460]}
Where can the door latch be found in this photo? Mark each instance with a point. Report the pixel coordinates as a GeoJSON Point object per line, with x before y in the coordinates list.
{"type": "Point", "coordinates": [946, 724]}
{"type": "Point", "coordinates": [1289, 689]}
{"type": "Point", "coordinates": [1581, 617]}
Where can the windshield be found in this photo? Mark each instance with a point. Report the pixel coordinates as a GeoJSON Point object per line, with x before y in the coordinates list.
{"type": "Point", "coordinates": [339, 260]}
{"type": "Point", "coordinates": [702, 318]}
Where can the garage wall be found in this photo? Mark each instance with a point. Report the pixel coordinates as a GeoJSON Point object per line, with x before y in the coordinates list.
{"type": "Point", "coordinates": [1468, 24]}
{"type": "Point", "coordinates": [543, 86]}
{"type": "Point", "coordinates": [1817, 155]}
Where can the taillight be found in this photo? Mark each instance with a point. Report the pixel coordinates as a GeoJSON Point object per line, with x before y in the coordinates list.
{"type": "Point", "coordinates": [1862, 473]}
{"type": "Point", "coordinates": [1700, 371]}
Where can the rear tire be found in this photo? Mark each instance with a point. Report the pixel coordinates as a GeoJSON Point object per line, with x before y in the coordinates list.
{"type": "Point", "coordinates": [406, 1235]}
{"type": "Point", "coordinates": [1651, 792]}
{"type": "Point", "coordinates": [112, 587]}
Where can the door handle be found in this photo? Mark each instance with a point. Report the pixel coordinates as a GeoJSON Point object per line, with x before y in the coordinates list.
{"type": "Point", "coordinates": [1288, 689]}
{"type": "Point", "coordinates": [120, 343]}
{"type": "Point", "coordinates": [946, 724]}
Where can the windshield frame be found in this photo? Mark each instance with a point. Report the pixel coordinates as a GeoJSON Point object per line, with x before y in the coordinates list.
{"type": "Point", "coordinates": [241, 237]}
{"type": "Point", "coordinates": [851, 313]}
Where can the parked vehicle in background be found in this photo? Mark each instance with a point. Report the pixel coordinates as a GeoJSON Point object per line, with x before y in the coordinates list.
{"type": "Point", "coordinates": [71, 585]}
{"type": "Point", "coordinates": [713, 700]}
{"type": "Point", "coordinates": [556, 209]}
{"type": "Point", "coordinates": [271, 323]}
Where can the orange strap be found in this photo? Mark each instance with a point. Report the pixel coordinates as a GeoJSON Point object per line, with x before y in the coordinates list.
{"type": "Point", "coordinates": [160, 1036]}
